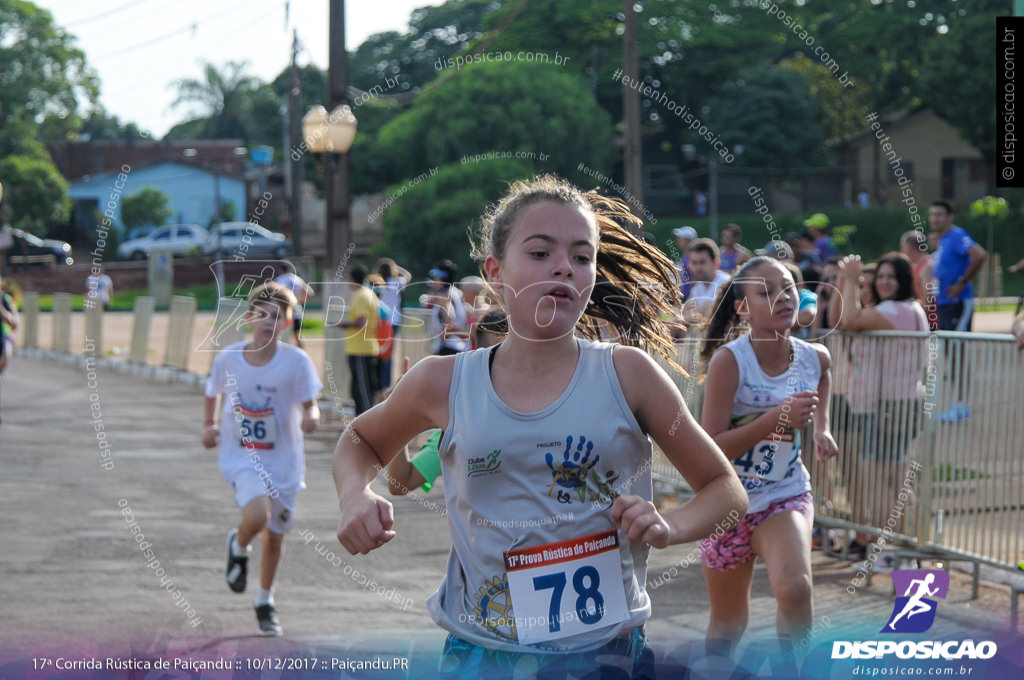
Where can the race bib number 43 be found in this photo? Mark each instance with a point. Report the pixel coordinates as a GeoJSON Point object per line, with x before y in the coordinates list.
{"type": "Point", "coordinates": [566, 588]}
{"type": "Point", "coordinates": [256, 429]}
{"type": "Point", "coordinates": [769, 460]}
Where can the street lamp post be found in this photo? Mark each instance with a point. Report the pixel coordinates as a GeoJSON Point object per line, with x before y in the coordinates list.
{"type": "Point", "coordinates": [332, 135]}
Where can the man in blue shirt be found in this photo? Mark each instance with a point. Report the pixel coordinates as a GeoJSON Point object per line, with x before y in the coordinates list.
{"type": "Point", "coordinates": [957, 259]}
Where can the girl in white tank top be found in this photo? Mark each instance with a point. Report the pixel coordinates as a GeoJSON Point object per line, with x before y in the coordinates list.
{"type": "Point", "coordinates": [761, 390]}
{"type": "Point", "coordinates": [546, 456]}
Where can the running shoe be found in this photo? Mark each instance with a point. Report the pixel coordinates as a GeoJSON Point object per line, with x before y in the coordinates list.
{"type": "Point", "coordinates": [267, 618]}
{"type": "Point", "coordinates": [238, 567]}
{"type": "Point", "coordinates": [956, 412]}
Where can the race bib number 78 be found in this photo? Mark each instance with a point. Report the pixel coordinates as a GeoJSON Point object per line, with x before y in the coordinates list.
{"type": "Point", "coordinates": [566, 588]}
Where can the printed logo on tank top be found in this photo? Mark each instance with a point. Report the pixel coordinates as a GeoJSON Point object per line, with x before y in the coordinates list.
{"type": "Point", "coordinates": [266, 388]}
{"type": "Point", "coordinates": [573, 475]}
{"type": "Point", "coordinates": [493, 609]}
{"type": "Point", "coordinates": [486, 465]}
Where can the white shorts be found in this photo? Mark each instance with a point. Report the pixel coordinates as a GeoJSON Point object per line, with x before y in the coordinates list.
{"type": "Point", "coordinates": [248, 486]}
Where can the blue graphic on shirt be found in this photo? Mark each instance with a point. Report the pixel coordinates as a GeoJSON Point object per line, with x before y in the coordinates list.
{"type": "Point", "coordinates": [575, 467]}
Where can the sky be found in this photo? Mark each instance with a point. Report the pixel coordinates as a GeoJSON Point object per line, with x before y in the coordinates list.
{"type": "Point", "coordinates": [140, 48]}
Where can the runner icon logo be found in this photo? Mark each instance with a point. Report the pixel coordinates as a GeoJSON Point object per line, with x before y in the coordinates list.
{"type": "Point", "coordinates": [914, 610]}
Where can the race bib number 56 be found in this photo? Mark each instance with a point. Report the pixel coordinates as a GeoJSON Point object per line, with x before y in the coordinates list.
{"type": "Point", "coordinates": [566, 588]}
{"type": "Point", "coordinates": [256, 429]}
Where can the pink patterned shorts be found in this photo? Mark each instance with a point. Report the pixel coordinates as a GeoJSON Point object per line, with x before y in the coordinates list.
{"type": "Point", "coordinates": [732, 548]}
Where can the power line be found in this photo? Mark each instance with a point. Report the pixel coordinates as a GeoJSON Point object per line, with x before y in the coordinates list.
{"type": "Point", "coordinates": [79, 22]}
{"type": "Point", "coordinates": [237, 33]}
{"type": "Point", "coordinates": [193, 26]}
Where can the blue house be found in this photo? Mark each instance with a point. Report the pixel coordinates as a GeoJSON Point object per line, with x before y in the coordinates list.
{"type": "Point", "coordinates": [191, 187]}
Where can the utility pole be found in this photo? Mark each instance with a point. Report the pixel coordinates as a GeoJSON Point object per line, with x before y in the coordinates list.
{"type": "Point", "coordinates": [633, 161]}
{"type": "Point", "coordinates": [339, 231]}
{"type": "Point", "coordinates": [294, 160]}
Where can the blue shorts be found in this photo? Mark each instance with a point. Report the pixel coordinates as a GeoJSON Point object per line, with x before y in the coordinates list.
{"type": "Point", "coordinates": [626, 656]}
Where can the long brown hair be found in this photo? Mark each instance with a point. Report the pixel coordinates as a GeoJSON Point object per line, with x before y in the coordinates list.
{"type": "Point", "coordinates": [724, 324]}
{"type": "Point", "coordinates": [635, 288]}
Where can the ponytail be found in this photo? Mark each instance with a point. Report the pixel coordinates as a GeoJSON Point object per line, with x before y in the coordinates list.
{"type": "Point", "coordinates": [635, 289]}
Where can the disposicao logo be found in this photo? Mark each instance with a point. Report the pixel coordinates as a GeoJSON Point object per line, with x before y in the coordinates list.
{"type": "Point", "coordinates": [914, 612]}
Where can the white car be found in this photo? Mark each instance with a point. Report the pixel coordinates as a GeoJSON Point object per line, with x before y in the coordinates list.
{"type": "Point", "coordinates": [180, 239]}
{"type": "Point", "coordinates": [246, 240]}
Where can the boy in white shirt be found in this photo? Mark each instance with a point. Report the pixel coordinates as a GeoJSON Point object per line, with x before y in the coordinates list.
{"type": "Point", "coordinates": [269, 393]}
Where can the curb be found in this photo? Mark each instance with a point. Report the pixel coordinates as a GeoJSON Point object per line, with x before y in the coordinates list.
{"type": "Point", "coordinates": [165, 374]}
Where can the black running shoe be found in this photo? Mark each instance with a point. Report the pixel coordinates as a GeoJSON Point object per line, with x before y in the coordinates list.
{"type": "Point", "coordinates": [268, 621]}
{"type": "Point", "coordinates": [238, 567]}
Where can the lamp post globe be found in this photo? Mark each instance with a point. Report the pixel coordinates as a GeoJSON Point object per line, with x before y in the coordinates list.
{"type": "Point", "coordinates": [314, 129]}
{"type": "Point", "coordinates": [341, 129]}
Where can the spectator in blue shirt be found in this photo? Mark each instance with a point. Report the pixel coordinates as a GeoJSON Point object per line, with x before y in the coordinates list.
{"type": "Point", "coordinates": [957, 259]}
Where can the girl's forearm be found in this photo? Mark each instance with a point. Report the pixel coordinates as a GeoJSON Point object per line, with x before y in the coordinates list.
{"type": "Point", "coordinates": [720, 504]}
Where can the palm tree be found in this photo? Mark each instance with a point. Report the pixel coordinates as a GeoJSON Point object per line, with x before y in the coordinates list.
{"type": "Point", "coordinates": [224, 95]}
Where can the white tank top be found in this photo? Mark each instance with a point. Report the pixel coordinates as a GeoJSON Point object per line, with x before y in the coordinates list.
{"type": "Point", "coordinates": [516, 480]}
{"type": "Point", "coordinates": [772, 470]}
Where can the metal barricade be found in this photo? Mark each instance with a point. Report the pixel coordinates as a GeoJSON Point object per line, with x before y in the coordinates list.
{"type": "Point", "coordinates": [921, 471]}
{"type": "Point", "coordinates": [413, 340]}
{"type": "Point", "coordinates": [944, 485]}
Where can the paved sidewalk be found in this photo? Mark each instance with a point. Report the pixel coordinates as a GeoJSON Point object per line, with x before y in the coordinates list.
{"type": "Point", "coordinates": [75, 582]}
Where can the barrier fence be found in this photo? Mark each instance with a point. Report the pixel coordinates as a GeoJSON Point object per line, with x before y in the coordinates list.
{"type": "Point", "coordinates": [914, 464]}
{"type": "Point", "coordinates": [911, 471]}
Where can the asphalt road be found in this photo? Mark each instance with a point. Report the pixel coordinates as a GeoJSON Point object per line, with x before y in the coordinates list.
{"type": "Point", "coordinates": [75, 583]}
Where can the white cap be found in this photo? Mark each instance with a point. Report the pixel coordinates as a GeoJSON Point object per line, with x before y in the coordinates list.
{"type": "Point", "coordinates": [685, 232]}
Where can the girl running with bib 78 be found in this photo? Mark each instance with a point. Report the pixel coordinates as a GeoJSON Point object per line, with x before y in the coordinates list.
{"type": "Point", "coordinates": [762, 389]}
{"type": "Point", "coordinates": [545, 454]}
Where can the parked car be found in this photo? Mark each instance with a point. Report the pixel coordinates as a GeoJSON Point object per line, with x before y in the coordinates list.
{"type": "Point", "coordinates": [180, 239]}
{"type": "Point", "coordinates": [28, 249]}
{"type": "Point", "coordinates": [247, 240]}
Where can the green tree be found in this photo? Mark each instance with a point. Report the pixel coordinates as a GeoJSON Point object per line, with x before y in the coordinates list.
{"type": "Point", "coordinates": [101, 125]}
{"type": "Point", "coordinates": [44, 80]}
{"type": "Point", "coordinates": [502, 107]}
{"type": "Point", "coordinates": [35, 192]}
{"type": "Point", "coordinates": [43, 73]}
{"type": "Point", "coordinates": [148, 206]}
{"type": "Point", "coordinates": [769, 111]}
{"type": "Point", "coordinates": [841, 108]}
{"type": "Point", "coordinates": [958, 76]}
{"type": "Point", "coordinates": [223, 96]}
{"type": "Point", "coordinates": [228, 210]}
{"type": "Point", "coordinates": [445, 206]}
{"type": "Point", "coordinates": [434, 33]}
